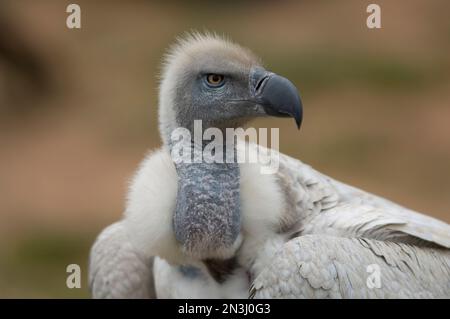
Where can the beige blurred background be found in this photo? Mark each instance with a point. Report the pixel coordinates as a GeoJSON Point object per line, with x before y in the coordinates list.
{"type": "Point", "coordinates": [78, 110]}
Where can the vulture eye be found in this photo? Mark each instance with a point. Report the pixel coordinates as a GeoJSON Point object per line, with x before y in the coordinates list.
{"type": "Point", "coordinates": [214, 80]}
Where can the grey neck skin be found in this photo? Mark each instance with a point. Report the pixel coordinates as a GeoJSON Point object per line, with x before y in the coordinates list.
{"type": "Point", "coordinates": [207, 215]}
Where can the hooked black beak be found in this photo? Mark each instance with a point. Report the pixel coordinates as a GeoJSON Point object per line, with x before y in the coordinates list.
{"type": "Point", "coordinates": [277, 95]}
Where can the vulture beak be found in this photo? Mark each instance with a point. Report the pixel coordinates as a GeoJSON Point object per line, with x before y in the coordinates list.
{"type": "Point", "coordinates": [276, 94]}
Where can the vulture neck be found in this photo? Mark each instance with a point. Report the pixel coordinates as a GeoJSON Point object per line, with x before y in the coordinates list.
{"type": "Point", "coordinates": [207, 217]}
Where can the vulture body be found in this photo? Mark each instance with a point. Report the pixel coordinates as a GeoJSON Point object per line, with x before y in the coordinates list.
{"type": "Point", "coordinates": [229, 230]}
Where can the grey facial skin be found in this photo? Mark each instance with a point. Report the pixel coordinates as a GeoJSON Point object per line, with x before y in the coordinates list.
{"type": "Point", "coordinates": [257, 93]}
{"type": "Point", "coordinates": [207, 219]}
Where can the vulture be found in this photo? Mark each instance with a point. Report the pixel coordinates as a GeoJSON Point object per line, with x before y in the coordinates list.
{"type": "Point", "coordinates": [228, 229]}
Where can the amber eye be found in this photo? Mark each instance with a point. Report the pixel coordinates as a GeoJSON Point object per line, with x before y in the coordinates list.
{"type": "Point", "coordinates": [214, 80]}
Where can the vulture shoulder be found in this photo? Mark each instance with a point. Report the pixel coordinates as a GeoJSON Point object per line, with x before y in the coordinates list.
{"type": "Point", "coordinates": [116, 270]}
{"type": "Point", "coordinates": [318, 204]}
{"type": "Point", "coordinates": [318, 266]}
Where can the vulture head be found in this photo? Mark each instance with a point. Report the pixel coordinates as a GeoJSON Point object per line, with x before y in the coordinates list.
{"type": "Point", "coordinates": [208, 78]}
{"type": "Point", "coordinates": [211, 79]}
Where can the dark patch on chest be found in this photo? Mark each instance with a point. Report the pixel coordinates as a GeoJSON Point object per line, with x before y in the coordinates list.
{"type": "Point", "coordinates": [221, 269]}
{"type": "Point", "coordinates": [190, 272]}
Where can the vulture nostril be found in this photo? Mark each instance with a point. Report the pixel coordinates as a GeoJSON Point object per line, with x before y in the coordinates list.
{"type": "Point", "coordinates": [261, 82]}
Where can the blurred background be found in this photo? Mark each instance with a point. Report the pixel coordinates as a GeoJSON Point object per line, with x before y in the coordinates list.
{"type": "Point", "coordinates": [78, 110]}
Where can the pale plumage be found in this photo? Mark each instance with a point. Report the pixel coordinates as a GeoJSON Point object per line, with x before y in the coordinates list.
{"type": "Point", "coordinates": [324, 205]}
{"type": "Point", "coordinates": [296, 219]}
{"type": "Point", "coordinates": [318, 266]}
{"type": "Point", "coordinates": [116, 270]}
{"type": "Point", "coordinates": [316, 205]}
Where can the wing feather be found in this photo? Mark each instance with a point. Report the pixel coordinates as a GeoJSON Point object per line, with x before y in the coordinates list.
{"type": "Point", "coordinates": [320, 266]}
{"type": "Point", "coordinates": [116, 270]}
{"type": "Point", "coordinates": [318, 204]}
